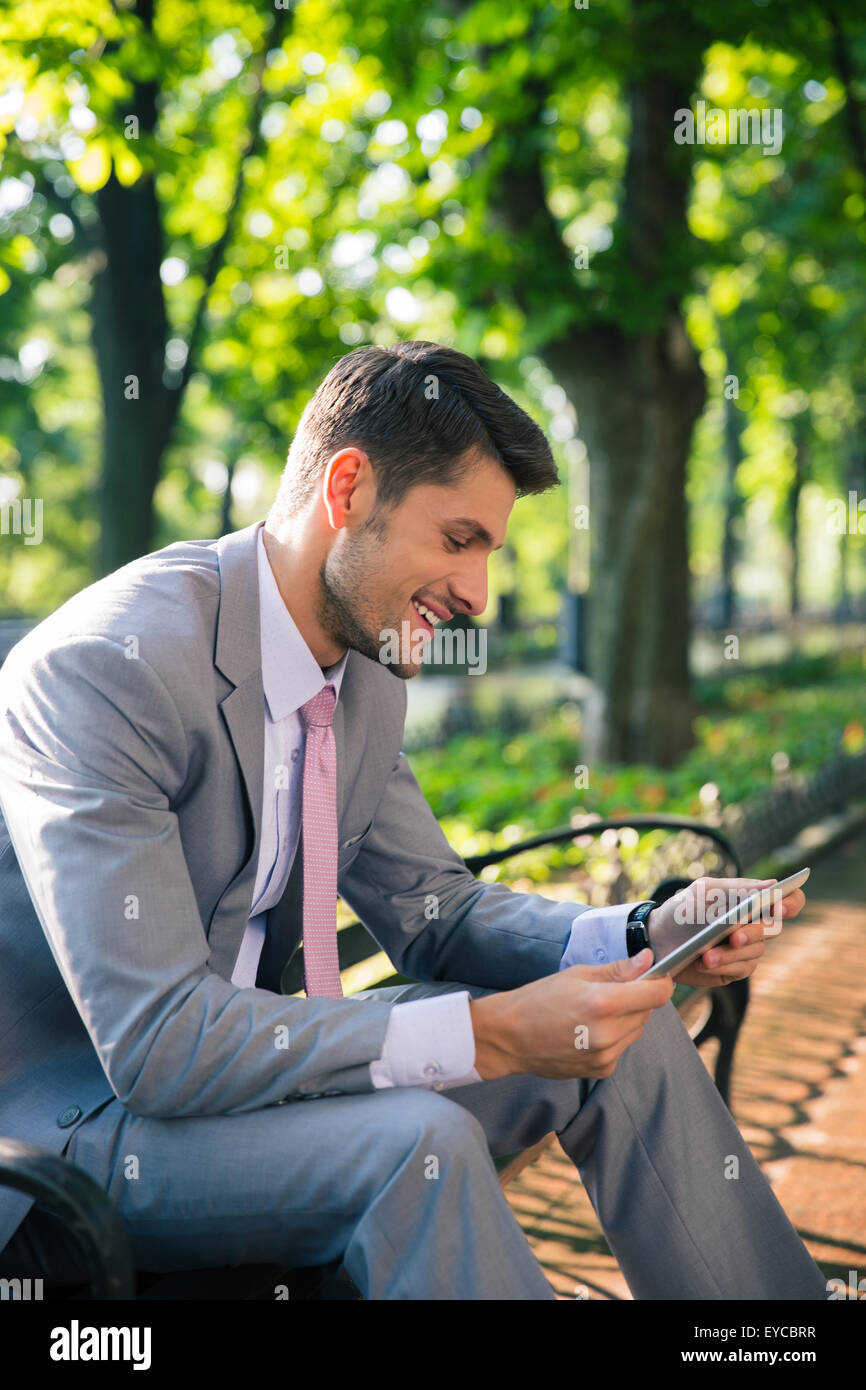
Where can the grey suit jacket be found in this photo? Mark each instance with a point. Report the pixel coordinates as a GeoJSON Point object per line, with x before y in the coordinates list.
{"type": "Point", "coordinates": [131, 783]}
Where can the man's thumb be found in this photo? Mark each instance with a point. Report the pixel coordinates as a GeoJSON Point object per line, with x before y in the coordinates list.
{"type": "Point", "coordinates": [630, 968]}
{"type": "Point", "coordinates": [626, 969]}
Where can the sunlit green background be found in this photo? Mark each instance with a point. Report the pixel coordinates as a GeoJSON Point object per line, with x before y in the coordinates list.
{"type": "Point", "coordinates": [328, 175]}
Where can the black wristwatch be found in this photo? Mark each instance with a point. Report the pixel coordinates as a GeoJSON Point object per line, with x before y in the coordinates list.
{"type": "Point", "coordinates": [636, 935]}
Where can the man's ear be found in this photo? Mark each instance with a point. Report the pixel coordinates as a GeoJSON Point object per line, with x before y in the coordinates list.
{"type": "Point", "coordinates": [348, 488]}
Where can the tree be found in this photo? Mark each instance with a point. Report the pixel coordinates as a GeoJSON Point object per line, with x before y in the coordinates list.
{"type": "Point", "coordinates": [224, 206]}
{"type": "Point", "coordinates": [608, 325]}
{"type": "Point", "coordinates": [581, 244]}
{"type": "Point", "coordinates": [118, 218]}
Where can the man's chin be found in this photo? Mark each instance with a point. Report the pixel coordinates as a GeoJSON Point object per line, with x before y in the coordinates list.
{"type": "Point", "coordinates": [379, 652]}
{"type": "Point", "coordinates": [403, 673]}
{"type": "Point", "coordinates": [402, 650]}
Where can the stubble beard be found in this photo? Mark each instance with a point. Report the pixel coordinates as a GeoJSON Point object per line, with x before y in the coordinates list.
{"type": "Point", "coordinates": [344, 611]}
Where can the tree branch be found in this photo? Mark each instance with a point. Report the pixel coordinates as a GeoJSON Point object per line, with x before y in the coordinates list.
{"type": "Point", "coordinates": [252, 146]}
{"type": "Point", "coordinates": [853, 109]}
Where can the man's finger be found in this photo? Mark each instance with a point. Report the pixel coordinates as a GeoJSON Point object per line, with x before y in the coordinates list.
{"type": "Point", "coordinates": [737, 972]}
{"type": "Point", "coordinates": [771, 918]}
{"type": "Point", "coordinates": [720, 959]}
{"type": "Point", "coordinates": [744, 936]}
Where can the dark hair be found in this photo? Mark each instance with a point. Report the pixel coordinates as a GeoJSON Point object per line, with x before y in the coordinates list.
{"type": "Point", "coordinates": [415, 409]}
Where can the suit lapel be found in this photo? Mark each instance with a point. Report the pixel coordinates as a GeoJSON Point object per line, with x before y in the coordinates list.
{"type": "Point", "coordinates": [238, 656]}
{"type": "Point", "coordinates": [349, 720]}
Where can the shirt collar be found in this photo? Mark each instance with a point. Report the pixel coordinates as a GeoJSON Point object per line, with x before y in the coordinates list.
{"type": "Point", "coordinates": [291, 675]}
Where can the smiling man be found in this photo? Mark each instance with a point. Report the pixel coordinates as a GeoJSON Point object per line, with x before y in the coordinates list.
{"type": "Point", "coordinates": [197, 754]}
{"type": "Point", "coordinates": [351, 572]}
{"type": "Point", "coordinates": [361, 550]}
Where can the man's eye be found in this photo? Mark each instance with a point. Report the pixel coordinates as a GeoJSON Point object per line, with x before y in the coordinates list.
{"type": "Point", "coordinates": [458, 545]}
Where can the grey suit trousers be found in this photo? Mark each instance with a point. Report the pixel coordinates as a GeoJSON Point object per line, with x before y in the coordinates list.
{"type": "Point", "coordinates": [400, 1182]}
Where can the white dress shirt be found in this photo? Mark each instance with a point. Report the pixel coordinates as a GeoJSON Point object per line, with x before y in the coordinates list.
{"type": "Point", "coordinates": [428, 1042]}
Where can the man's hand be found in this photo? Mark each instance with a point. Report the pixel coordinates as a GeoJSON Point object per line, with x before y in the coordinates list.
{"type": "Point", "coordinates": [736, 958]}
{"type": "Point", "coordinates": [575, 1023]}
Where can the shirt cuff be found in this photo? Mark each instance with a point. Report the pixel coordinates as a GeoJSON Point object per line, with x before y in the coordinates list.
{"type": "Point", "coordinates": [428, 1043]}
{"type": "Point", "coordinates": [598, 936]}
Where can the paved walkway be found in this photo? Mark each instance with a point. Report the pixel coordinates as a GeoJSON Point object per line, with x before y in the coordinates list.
{"type": "Point", "coordinates": [798, 1095]}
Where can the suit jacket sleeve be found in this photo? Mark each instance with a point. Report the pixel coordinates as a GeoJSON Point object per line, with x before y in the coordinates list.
{"type": "Point", "coordinates": [92, 751]}
{"type": "Point", "coordinates": [416, 896]}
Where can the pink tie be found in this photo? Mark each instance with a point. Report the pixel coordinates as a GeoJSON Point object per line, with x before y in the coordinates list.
{"type": "Point", "coordinates": [319, 830]}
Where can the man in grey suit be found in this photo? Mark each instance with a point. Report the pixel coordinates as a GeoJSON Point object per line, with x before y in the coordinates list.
{"type": "Point", "coordinates": [152, 886]}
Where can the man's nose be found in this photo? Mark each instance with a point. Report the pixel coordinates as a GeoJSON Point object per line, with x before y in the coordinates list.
{"type": "Point", "coordinates": [470, 587]}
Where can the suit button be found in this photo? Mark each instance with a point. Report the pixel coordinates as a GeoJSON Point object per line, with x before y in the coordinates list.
{"type": "Point", "coordinates": [68, 1116]}
{"type": "Point", "coordinates": [432, 1069]}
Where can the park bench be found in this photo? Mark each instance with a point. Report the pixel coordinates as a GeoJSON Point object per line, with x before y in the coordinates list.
{"type": "Point", "coordinates": [91, 1219]}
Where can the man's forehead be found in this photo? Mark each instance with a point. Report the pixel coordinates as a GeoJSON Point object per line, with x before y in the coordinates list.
{"type": "Point", "coordinates": [477, 499]}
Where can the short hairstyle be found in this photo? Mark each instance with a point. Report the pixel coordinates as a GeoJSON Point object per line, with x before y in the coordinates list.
{"type": "Point", "coordinates": [415, 408]}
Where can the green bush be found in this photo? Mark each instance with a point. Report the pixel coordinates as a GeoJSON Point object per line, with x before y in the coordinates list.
{"type": "Point", "coordinates": [489, 791]}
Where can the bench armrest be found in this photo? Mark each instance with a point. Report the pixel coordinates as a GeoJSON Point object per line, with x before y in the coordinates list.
{"type": "Point", "coordinates": [477, 862]}
{"type": "Point", "coordinates": [86, 1211]}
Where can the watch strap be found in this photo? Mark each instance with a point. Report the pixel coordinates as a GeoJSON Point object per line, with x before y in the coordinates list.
{"type": "Point", "coordinates": [636, 934]}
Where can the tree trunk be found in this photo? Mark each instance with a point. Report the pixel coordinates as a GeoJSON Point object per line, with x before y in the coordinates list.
{"type": "Point", "coordinates": [853, 109]}
{"type": "Point", "coordinates": [637, 401]}
{"type": "Point", "coordinates": [507, 616]}
{"type": "Point", "coordinates": [129, 334]}
{"type": "Point", "coordinates": [854, 481]}
{"type": "Point", "coordinates": [800, 463]}
{"type": "Point", "coordinates": [130, 323]}
{"type": "Point", "coordinates": [634, 378]}
{"type": "Point", "coordinates": [843, 592]}
{"type": "Point", "coordinates": [226, 522]}
{"type": "Point", "coordinates": [733, 507]}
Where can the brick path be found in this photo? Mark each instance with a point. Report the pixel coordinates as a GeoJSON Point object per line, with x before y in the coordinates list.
{"type": "Point", "coordinates": [798, 1095]}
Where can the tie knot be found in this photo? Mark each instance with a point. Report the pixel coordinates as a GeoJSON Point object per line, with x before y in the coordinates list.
{"type": "Point", "coordinates": [320, 710]}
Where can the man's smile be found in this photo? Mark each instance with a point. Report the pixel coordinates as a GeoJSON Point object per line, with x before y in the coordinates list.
{"type": "Point", "coordinates": [429, 614]}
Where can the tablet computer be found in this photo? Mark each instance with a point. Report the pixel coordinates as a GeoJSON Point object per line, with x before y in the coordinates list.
{"type": "Point", "coordinates": [717, 930]}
